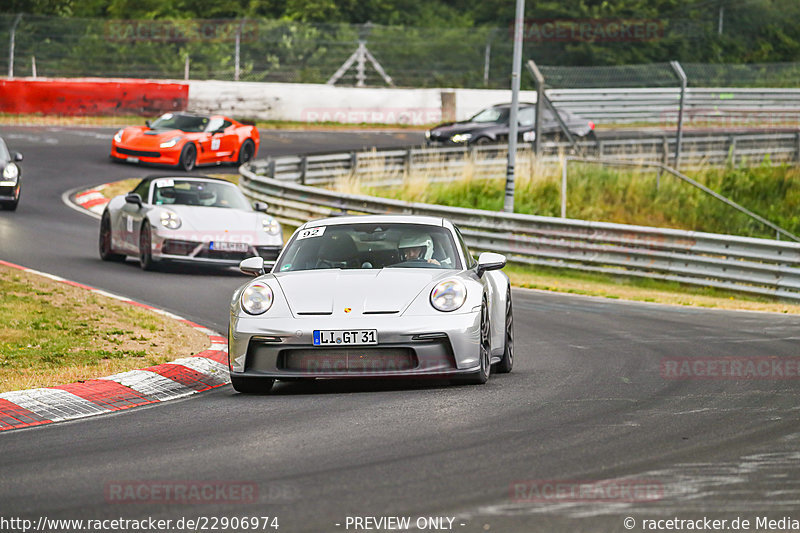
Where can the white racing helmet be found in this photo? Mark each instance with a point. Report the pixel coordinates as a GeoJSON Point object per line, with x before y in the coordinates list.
{"type": "Point", "coordinates": [417, 240]}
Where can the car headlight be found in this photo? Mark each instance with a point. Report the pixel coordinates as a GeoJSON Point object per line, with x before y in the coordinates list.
{"type": "Point", "coordinates": [118, 136]}
{"type": "Point", "coordinates": [461, 137]}
{"type": "Point", "coordinates": [428, 134]}
{"type": "Point", "coordinates": [170, 220]}
{"type": "Point", "coordinates": [448, 295]}
{"type": "Point", "coordinates": [257, 298]}
{"type": "Point", "coordinates": [270, 225]}
{"type": "Point", "coordinates": [11, 173]}
{"type": "Point", "coordinates": [170, 143]}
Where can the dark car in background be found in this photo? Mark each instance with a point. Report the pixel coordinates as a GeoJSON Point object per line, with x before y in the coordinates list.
{"type": "Point", "coordinates": [10, 177]}
{"type": "Point", "coordinates": [491, 125]}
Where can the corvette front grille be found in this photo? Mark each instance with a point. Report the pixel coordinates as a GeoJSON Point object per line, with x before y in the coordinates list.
{"type": "Point", "coordinates": [138, 153]}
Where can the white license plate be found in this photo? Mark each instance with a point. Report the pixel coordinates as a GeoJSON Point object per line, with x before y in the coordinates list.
{"type": "Point", "coordinates": [224, 246]}
{"type": "Point", "coordinates": [344, 337]}
{"type": "Point", "coordinates": [132, 159]}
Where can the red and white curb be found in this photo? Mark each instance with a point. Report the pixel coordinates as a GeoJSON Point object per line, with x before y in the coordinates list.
{"type": "Point", "coordinates": [92, 200]}
{"type": "Point", "coordinates": [182, 377]}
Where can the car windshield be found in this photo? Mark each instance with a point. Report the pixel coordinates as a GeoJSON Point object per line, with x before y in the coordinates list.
{"type": "Point", "coordinates": [169, 191]}
{"type": "Point", "coordinates": [370, 246]}
{"type": "Point", "coordinates": [189, 123]}
{"type": "Point", "coordinates": [492, 114]}
{"type": "Point", "coordinates": [4, 155]}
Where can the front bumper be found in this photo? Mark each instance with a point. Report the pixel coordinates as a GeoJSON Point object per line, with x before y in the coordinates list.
{"type": "Point", "coordinates": [9, 193]}
{"type": "Point", "coordinates": [160, 156]}
{"type": "Point", "coordinates": [199, 252]}
{"type": "Point", "coordinates": [408, 346]}
{"type": "Point", "coordinates": [445, 141]}
{"type": "Point", "coordinates": [170, 247]}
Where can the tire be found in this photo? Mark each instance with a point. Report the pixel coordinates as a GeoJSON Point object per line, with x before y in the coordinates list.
{"type": "Point", "coordinates": [104, 244]}
{"type": "Point", "coordinates": [248, 385]}
{"type": "Point", "coordinates": [246, 152]}
{"type": "Point", "coordinates": [505, 364]}
{"type": "Point", "coordinates": [188, 157]}
{"type": "Point", "coordinates": [10, 206]}
{"type": "Point", "coordinates": [145, 248]}
{"type": "Point", "coordinates": [482, 141]}
{"type": "Point", "coordinates": [485, 350]}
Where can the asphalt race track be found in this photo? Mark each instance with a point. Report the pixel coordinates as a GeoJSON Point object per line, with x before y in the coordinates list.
{"type": "Point", "coordinates": [586, 402]}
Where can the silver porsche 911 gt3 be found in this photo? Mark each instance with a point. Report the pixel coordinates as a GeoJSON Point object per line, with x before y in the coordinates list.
{"type": "Point", "coordinates": [193, 219]}
{"type": "Point", "coordinates": [369, 296]}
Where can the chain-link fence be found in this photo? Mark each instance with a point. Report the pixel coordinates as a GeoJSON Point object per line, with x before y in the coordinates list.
{"type": "Point", "coordinates": [287, 51]}
{"type": "Point", "coordinates": [663, 75]}
{"type": "Point", "coordinates": [248, 50]}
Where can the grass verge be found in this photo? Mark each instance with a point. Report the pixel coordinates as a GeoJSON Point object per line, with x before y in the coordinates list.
{"type": "Point", "coordinates": [606, 194]}
{"type": "Point", "coordinates": [52, 333]}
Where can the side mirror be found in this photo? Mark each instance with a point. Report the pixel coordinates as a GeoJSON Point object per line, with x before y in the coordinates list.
{"type": "Point", "coordinates": [253, 266]}
{"type": "Point", "coordinates": [490, 261]}
{"type": "Point", "coordinates": [17, 156]}
{"type": "Point", "coordinates": [133, 198]}
{"type": "Point", "coordinates": [260, 206]}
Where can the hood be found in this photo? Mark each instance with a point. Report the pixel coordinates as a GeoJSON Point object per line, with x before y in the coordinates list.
{"type": "Point", "coordinates": [214, 218]}
{"type": "Point", "coordinates": [144, 136]}
{"type": "Point", "coordinates": [216, 223]}
{"type": "Point", "coordinates": [389, 290]}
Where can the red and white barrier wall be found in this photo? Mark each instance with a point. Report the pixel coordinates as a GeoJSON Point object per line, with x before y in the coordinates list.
{"type": "Point", "coordinates": [301, 102]}
{"type": "Point", "coordinates": [92, 96]}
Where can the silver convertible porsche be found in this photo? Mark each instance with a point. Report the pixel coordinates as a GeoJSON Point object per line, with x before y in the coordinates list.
{"type": "Point", "coordinates": [371, 296]}
{"type": "Point", "coordinates": [193, 219]}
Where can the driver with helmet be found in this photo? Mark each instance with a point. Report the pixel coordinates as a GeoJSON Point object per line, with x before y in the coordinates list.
{"type": "Point", "coordinates": [417, 247]}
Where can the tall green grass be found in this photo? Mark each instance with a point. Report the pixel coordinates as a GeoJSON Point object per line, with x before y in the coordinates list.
{"type": "Point", "coordinates": [628, 196]}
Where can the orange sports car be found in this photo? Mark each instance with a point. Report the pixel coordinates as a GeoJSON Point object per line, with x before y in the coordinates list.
{"type": "Point", "coordinates": [186, 140]}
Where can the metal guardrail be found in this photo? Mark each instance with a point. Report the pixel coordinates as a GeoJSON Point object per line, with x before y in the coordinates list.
{"type": "Point", "coordinates": [387, 167]}
{"type": "Point", "coordinates": [723, 106]}
{"type": "Point", "coordinates": [757, 266]}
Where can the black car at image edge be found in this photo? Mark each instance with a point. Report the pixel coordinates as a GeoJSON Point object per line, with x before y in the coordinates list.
{"type": "Point", "coordinates": [10, 177]}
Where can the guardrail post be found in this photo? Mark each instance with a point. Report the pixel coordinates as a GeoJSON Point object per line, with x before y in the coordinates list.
{"type": "Point", "coordinates": [11, 40]}
{"type": "Point", "coordinates": [797, 144]}
{"type": "Point", "coordinates": [303, 169]}
{"type": "Point", "coordinates": [732, 150]}
{"type": "Point", "coordinates": [564, 164]}
{"type": "Point", "coordinates": [353, 162]}
{"type": "Point", "coordinates": [407, 162]}
{"type": "Point", "coordinates": [664, 159]}
{"type": "Point", "coordinates": [271, 168]}
{"type": "Point", "coordinates": [679, 133]}
{"type": "Point", "coordinates": [533, 160]}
